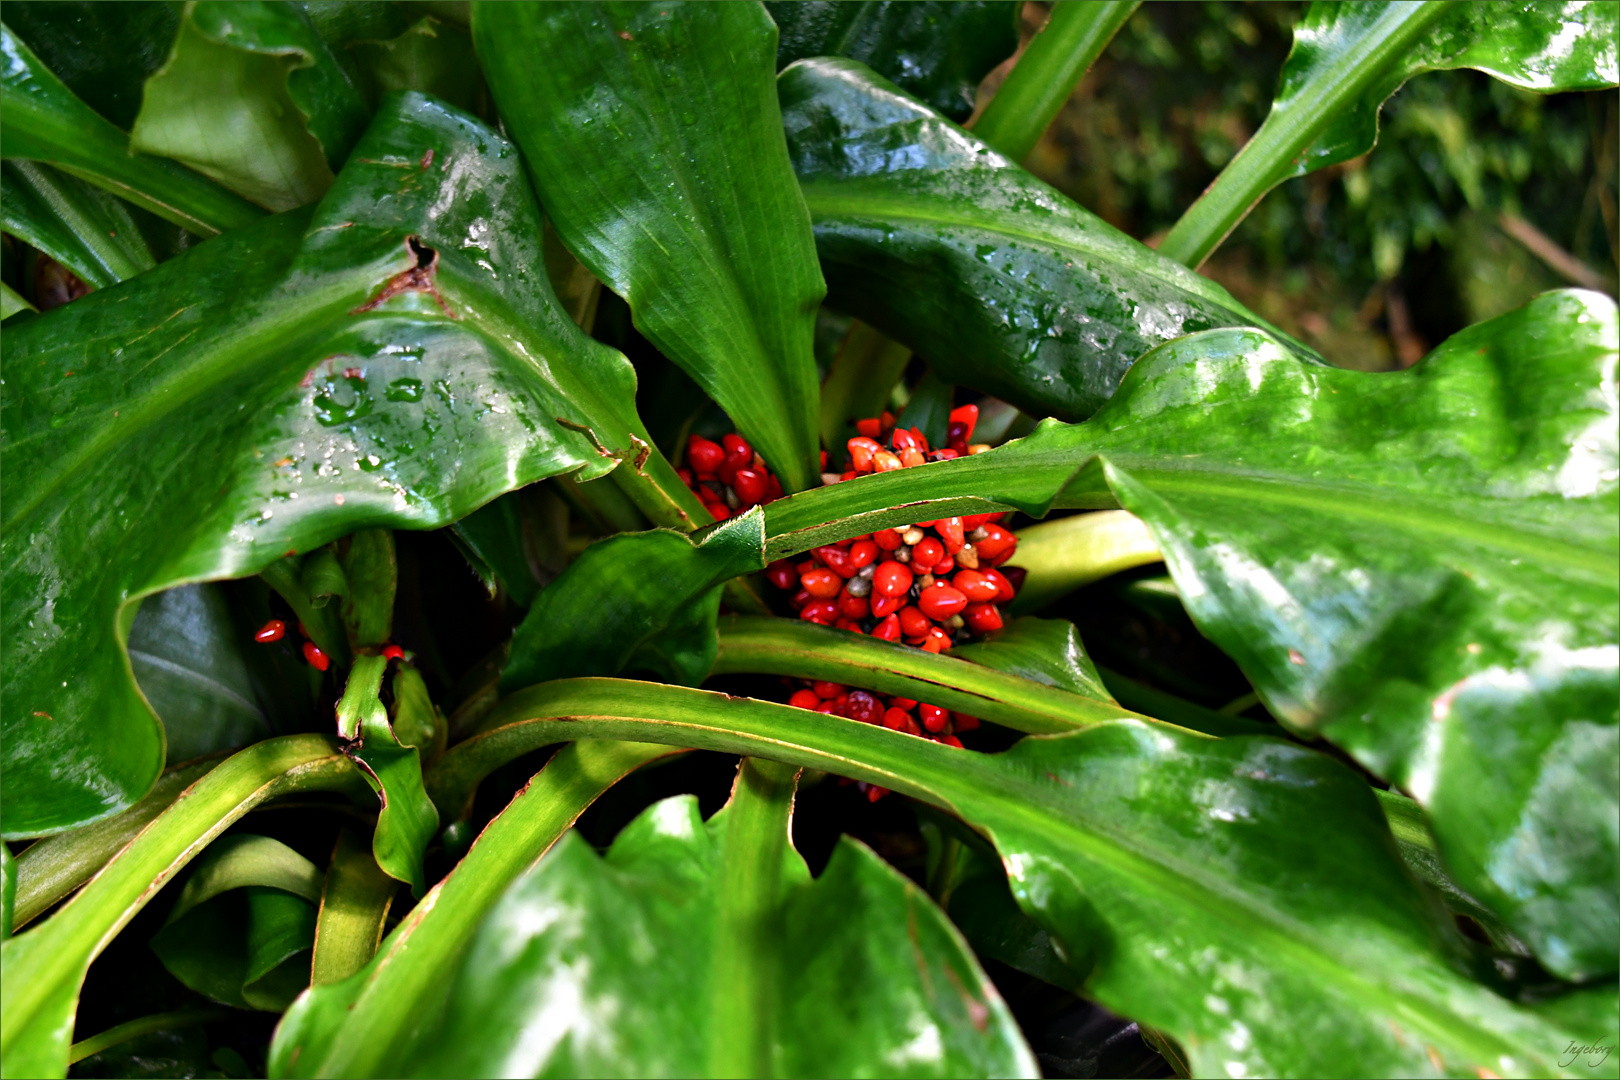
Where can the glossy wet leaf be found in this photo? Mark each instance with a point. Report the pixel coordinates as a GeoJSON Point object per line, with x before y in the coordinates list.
{"type": "Point", "coordinates": [241, 923]}
{"type": "Point", "coordinates": [330, 375]}
{"type": "Point", "coordinates": [1173, 872]}
{"type": "Point", "coordinates": [81, 227]}
{"type": "Point", "coordinates": [104, 53]}
{"type": "Point", "coordinates": [431, 56]}
{"type": "Point", "coordinates": [46, 122]}
{"type": "Point", "coordinates": [1433, 587]}
{"type": "Point", "coordinates": [1047, 651]}
{"type": "Point", "coordinates": [635, 601]}
{"type": "Point", "coordinates": [251, 96]}
{"type": "Point", "coordinates": [187, 653]}
{"type": "Point", "coordinates": [872, 970]}
{"type": "Point", "coordinates": [1349, 57]}
{"type": "Point", "coordinates": [406, 817]}
{"type": "Point", "coordinates": [1004, 284]}
{"type": "Point", "coordinates": [691, 212]}
{"type": "Point", "coordinates": [936, 51]}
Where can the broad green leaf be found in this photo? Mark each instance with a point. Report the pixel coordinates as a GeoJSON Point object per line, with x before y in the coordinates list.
{"type": "Point", "coordinates": [1349, 56]}
{"type": "Point", "coordinates": [522, 537]}
{"type": "Point", "coordinates": [938, 50]}
{"type": "Point", "coordinates": [241, 923]}
{"type": "Point", "coordinates": [406, 818]}
{"type": "Point", "coordinates": [11, 303]}
{"type": "Point", "coordinates": [350, 1028]}
{"type": "Point", "coordinates": [364, 366]}
{"type": "Point", "coordinates": [941, 243]}
{"type": "Point", "coordinates": [1433, 587]}
{"type": "Point", "coordinates": [869, 970]}
{"type": "Point", "coordinates": [1047, 651]}
{"type": "Point", "coordinates": [355, 898]}
{"type": "Point", "coordinates": [691, 213]}
{"type": "Point", "coordinates": [45, 966]}
{"type": "Point", "coordinates": [1192, 883]}
{"type": "Point", "coordinates": [186, 652]}
{"type": "Point", "coordinates": [251, 96]}
{"type": "Point", "coordinates": [636, 601]}
{"type": "Point", "coordinates": [84, 229]}
{"type": "Point", "coordinates": [102, 52]}
{"type": "Point", "coordinates": [46, 122]}
{"type": "Point", "coordinates": [431, 56]}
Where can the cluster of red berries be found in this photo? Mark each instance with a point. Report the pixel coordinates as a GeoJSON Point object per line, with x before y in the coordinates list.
{"type": "Point", "coordinates": [897, 714]}
{"type": "Point", "coordinates": [728, 476]}
{"type": "Point", "coordinates": [275, 630]}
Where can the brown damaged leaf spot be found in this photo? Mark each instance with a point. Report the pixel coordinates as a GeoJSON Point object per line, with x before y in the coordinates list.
{"type": "Point", "coordinates": [585, 430]}
{"type": "Point", "coordinates": [418, 278]}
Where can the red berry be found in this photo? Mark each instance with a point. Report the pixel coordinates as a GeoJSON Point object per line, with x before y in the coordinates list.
{"type": "Point", "coordinates": [891, 579]}
{"type": "Point", "coordinates": [903, 703]}
{"type": "Point", "coordinates": [393, 652]}
{"type": "Point", "coordinates": [874, 793]}
{"type": "Point", "coordinates": [911, 457]}
{"type": "Point", "coordinates": [888, 629]}
{"type": "Point", "coordinates": [862, 553]}
{"type": "Point", "coordinates": [950, 533]}
{"type": "Point", "coordinates": [316, 658]}
{"type": "Point", "coordinates": [828, 708]}
{"type": "Point", "coordinates": [853, 607]}
{"type": "Point", "coordinates": [704, 456]}
{"type": "Point", "coordinates": [927, 552]}
{"type": "Point", "coordinates": [1015, 576]}
{"type": "Point", "coordinates": [781, 574]}
{"type": "Point", "coordinates": [871, 427]}
{"type": "Point", "coordinates": [913, 623]}
{"type": "Point", "coordinates": [998, 544]}
{"type": "Point", "coordinates": [982, 618]}
{"type": "Point", "coordinates": [937, 641]}
{"type": "Point", "coordinates": [826, 690]}
{"type": "Point", "coordinates": [883, 461]}
{"type": "Point", "coordinates": [934, 718]}
{"type": "Point", "coordinates": [804, 699]}
{"type": "Point", "coordinates": [952, 740]}
{"type": "Point", "coordinates": [750, 486]}
{"type": "Point", "coordinates": [884, 606]}
{"type": "Point", "coordinates": [963, 722]}
{"type": "Point", "coordinates": [837, 560]}
{"type": "Point", "coordinates": [940, 601]}
{"type": "Point", "coordinates": [863, 707]}
{"type": "Point", "coordinates": [944, 566]}
{"type": "Point", "coordinates": [737, 447]}
{"type": "Point", "coordinates": [973, 521]}
{"type": "Point", "coordinates": [799, 599]}
{"type": "Point", "coordinates": [820, 611]}
{"type": "Point", "coordinates": [718, 510]}
{"type": "Point", "coordinates": [977, 587]}
{"type": "Point", "coordinates": [900, 720]}
{"type": "Point", "coordinates": [270, 631]}
{"type": "Point", "coordinates": [888, 540]}
{"type": "Point", "coordinates": [821, 583]}
{"type": "Point", "coordinates": [968, 417]}
{"type": "Point", "coordinates": [861, 450]}
{"type": "Point", "coordinates": [1004, 586]}
{"type": "Point", "coordinates": [906, 440]}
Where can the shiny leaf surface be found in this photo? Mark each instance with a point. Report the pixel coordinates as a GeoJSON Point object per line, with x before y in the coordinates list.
{"type": "Point", "coordinates": [392, 360]}
{"type": "Point", "coordinates": [45, 122]}
{"type": "Point", "coordinates": [937, 50]}
{"type": "Point", "coordinates": [691, 212]}
{"type": "Point", "coordinates": [1046, 651]}
{"type": "Point", "coordinates": [84, 229]}
{"type": "Point", "coordinates": [1433, 588]}
{"type": "Point", "coordinates": [941, 243]}
{"type": "Point", "coordinates": [877, 972]}
{"type": "Point", "coordinates": [637, 600]}
{"type": "Point", "coordinates": [1170, 870]}
{"type": "Point", "coordinates": [252, 97]}
{"type": "Point", "coordinates": [1350, 56]}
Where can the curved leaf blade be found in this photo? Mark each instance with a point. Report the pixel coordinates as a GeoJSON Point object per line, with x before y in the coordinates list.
{"type": "Point", "coordinates": [324, 367]}
{"type": "Point", "coordinates": [103, 53]}
{"type": "Point", "coordinates": [1000, 281]}
{"type": "Point", "coordinates": [691, 213]}
{"type": "Point", "coordinates": [1350, 56]}
{"type": "Point", "coordinates": [936, 51]}
{"type": "Point", "coordinates": [84, 229]}
{"type": "Point", "coordinates": [45, 122]}
{"type": "Point", "coordinates": [251, 97]}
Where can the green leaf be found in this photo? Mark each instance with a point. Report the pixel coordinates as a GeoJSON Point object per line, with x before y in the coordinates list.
{"type": "Point", "coordinates": [1052, 64]}
{"type": "Point", "coordinates": [869, 970]}
{"type": "Point", "coordinates": [45, 122]}
{"type": "Point", "coordinates": [431, 56]}
{"type": "Point", "coordinates": [522, 537]}
{"type": "Point", "coordinates": [407, 819]}
{"type": "Point", "coordinates": [691, 213]}
{"type": "Point", "coordinates": [46, 965]}
{"type": "Point", "coordinates": [102, 52]}
{"type": "Point", "coordinates": [84, 229]}
{"type": "Point", "coordinates": [1170, 870]}
{"type": "Point", "coordinates": [251, 96]}
{"type": "Point", "coordinates": [638, 600]}
{"type": "Point", "coordinates": [186, 652]}
{"type": "Point", "coordinates": [355, 899]}
{"type": "Point", "coordinates": [361, 367]}
{"type": "Point", "coordinates": [236, 929]}
{"type": "Point", "coordinates": [1047, 651]}
{"type": "Point", "coordinates": [929, 408]}
{"type": "Point", "coordinates": [941, 243]}
{"type": "Point", "coordinates": [1433, 588]}
{"type": "Point", "coordinates": [858, 383]}
{"type": "Point", "coordinates": [11, 303]}
{"type": "Point", "coordinates": [936, 51]}
{"type": "Point", "coordinates": [8, 891]}
{"type": "Point", "coordinates": [372, 575]}
{"type": "Point", "coordinates": [350, 1027]}
{"type": "Point", "coordinates": [1063, 555]}
{"type": "Point", "coordinates": [1349, 57]}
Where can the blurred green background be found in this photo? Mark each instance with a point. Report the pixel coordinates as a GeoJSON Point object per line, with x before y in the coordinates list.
{"type": "Point", "coordinates": [1477, 197]}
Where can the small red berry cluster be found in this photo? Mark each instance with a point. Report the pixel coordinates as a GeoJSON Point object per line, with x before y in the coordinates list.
{"type": "Point", "coordinates": [728, 476]}
{"type": "Point", "coordinates": [896, 713]}
{"type": "Point", "coordinates": [275, 630]}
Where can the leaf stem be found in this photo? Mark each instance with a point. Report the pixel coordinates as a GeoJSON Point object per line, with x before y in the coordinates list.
{"type": "Point", "coordinates": [1277, 151]}
{"type": "Point", "coordinates": [1061, 556]}
{"type": "Point", "coordinates": [1052, 65]}
{"type": "Point", "coordinates": [747, 962]}
{"type": "Point", "coordinates": [145, 1025]}
{"type": "Point", "coordinates": [354, 906]}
